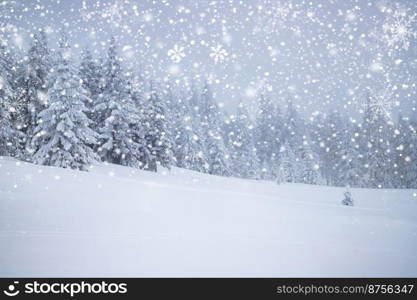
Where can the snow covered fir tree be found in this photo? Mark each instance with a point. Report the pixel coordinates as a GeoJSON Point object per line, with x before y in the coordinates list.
{"type": "Point", "coordinates": [62, 136]}
{"type": "Point", "coordinates": [69, 106]}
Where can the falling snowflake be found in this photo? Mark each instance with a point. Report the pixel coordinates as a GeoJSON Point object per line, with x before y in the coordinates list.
{"type": "Point", "coordinates": [5, 7]}
{"type": "Point", "coordinates": [273, 53]}
{"type": "Point", "coordinates": [381, 102]}
{"type": "Point", "coordinates": [115, 12]}
{"type": "Point", "coordinates": [218, 54]}
{"type": "Point", "coordinates": [272, 19]}
{"type": "Point", "coordinates": [174, 69]}
{"type": "Point", "coordinates": [399, 29]}
{"type": "Point", "coordinates": [332, 48]}
{"type": "Point", "coordinates": [118, 13]}
{"type": "Point", "coordinates": [176, 53]}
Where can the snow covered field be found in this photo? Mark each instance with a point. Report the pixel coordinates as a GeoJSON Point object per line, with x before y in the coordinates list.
{"type": "Point", "coordinates": [117, 221]}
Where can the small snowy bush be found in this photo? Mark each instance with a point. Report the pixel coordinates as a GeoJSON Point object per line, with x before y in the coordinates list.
{"type": "Point", "coordinates": [348, 199]}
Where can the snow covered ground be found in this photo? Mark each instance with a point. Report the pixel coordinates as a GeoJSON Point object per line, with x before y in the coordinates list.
{"type": "Point", "coordinates": [117, 221]}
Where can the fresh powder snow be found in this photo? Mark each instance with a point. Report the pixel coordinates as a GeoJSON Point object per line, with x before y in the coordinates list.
{"type": "Point", "coordinates": [120, 221]}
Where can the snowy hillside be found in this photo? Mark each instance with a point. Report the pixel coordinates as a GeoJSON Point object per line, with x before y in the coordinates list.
{"type": "Point", "coordinates": [119, 221]}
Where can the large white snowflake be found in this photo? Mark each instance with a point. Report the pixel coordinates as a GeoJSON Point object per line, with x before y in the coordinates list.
{"type": "Point", "coordinates": [399, 29]}
{"type": "Point", "coordinates": [176, 53]}
{"type": "Point", "coordinates": [218, 54]}
{"type": "Point", "coordinates": [381, 102]}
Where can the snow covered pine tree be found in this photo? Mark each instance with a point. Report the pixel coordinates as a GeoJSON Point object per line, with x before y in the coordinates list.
{"type": "Point", "coordinates": [63, 136]}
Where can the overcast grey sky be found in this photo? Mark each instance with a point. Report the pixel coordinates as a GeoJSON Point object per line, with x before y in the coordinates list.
{"type": "Point", "coordinates": [323, 54]}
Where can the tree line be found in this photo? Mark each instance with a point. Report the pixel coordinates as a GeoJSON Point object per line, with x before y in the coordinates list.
{"type": "Point", "coordinates": [56, 112]}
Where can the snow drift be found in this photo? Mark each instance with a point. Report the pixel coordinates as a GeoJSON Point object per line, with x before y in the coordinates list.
{"type": "Point", "coordinates": [118, 221]}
